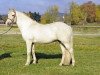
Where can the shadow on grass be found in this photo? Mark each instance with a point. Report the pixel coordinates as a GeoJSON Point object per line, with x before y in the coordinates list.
{"type": "Point", "coordinates": [48, 56]}
{"type": "Point", "coordinates": [5, 55]}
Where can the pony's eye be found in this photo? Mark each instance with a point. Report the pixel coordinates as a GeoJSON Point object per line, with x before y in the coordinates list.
{"type": "Point", "coordinates": [13, 15]}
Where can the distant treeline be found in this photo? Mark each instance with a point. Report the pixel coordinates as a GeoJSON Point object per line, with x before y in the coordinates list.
{"type": "Point", "coordinates": [86, 13]}
{"type": "Point", "coordinates": [77, 14]}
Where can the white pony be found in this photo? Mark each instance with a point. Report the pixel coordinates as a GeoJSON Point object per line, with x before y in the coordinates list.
{"type": "Point", "coordinates": [33, 32]}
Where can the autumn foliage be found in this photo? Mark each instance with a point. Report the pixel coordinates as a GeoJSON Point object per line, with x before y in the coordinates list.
{"type": "Point", "coordinates": [87, 12]}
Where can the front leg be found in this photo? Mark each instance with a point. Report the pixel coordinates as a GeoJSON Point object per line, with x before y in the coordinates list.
{"type": "Point", "coordinates": [33, 53]}
{"type": "Point", "coordinates": [28, 44]}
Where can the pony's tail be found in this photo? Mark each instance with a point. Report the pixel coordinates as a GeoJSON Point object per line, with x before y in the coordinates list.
{"type": "Point", "coordinates": [68, 58]}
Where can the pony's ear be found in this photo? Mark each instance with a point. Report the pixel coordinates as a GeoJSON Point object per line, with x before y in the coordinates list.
{"type": "Point", "coordinates": [13, 10]}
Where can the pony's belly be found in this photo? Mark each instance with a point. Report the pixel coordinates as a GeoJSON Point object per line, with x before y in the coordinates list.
{"type": "Point", "coordinates": [44, 40]}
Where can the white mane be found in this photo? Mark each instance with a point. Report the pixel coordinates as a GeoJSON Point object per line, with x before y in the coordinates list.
{"type": "Point", "coordinates": [24, 19]}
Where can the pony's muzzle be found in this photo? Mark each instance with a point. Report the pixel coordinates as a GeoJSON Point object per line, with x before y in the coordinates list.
{"type": "Point", "coordinates": [8, 22]}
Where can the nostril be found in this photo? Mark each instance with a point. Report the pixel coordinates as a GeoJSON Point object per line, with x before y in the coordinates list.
{"type": "Point", "coordinates": [9, 23]}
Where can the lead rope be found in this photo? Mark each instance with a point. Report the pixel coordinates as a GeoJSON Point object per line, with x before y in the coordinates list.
{"type": "Point", "coordinates": [6, 31]}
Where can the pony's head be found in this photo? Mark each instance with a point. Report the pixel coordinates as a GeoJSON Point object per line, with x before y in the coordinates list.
{"type": "Point", "coordinates": [11, 17]}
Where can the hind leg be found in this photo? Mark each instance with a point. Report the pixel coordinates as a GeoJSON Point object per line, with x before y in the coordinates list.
{"type": "Point", "coordinates": [70, 49]}
{"type": "Point", "coordinates": [72, 55]}
{"type": "Point", "coordinates": [63, 54]}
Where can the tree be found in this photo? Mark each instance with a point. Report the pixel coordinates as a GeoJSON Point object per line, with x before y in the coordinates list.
{"type": "Point", "coordinates": [0, 17]}
{"type": "Point", "coordinates": [89, 9]}
{"type": "Point", "coordinates": [54, 13]}
{"type": "Point", "coordinates": [43, 19]}
{"type": "Point", "coordinates": [97, 13]}
{"type": "Point", "coordinates": [46, 18]}
{"type": "Point", "coordinates": [76, 15]}
{"type": "Point", "coordinates": [51, 15]}
{"type": "Point", "coordinates": [31, 15]}
{"type": "Point", "coordinates": [35, 16]}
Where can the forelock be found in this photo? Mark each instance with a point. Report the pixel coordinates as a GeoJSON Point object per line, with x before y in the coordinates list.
{"type": "Point", "coordinates": [11, 10]}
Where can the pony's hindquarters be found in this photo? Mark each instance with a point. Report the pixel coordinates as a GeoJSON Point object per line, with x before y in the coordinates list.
{"type": "Point", "coordinates": [66, 42]}
{"type": "Point", "coordinates": [66, 58]}
{"type": "Point", "coordinates": [72, 52]}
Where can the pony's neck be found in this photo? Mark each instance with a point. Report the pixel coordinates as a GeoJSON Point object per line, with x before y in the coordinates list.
{"type": "Point", "coordinates": [23, 21]}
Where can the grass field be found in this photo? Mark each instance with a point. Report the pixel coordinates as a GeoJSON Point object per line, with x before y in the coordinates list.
{"type": "Point", "coordinates": [13, 57]}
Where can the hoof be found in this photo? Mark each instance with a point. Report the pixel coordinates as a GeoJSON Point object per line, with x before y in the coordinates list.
{"type": "Point", "coordinates": [34, 62]}
{"type": "Point", "coordinates": [27, 64]}
{"type": "Point", "coordinates": [73, 64]}
{"type": "Point", "coordinates": [60, 64]}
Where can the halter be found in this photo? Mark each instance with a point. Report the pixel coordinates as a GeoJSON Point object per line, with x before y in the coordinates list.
{"type": "Point", "coordinates": [10, 27]}
{"type": "Point", "coordinates": [10, 20]}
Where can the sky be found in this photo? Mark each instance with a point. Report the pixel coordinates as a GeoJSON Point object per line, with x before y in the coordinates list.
{"type": "Point", "coordinates": [37, 5]}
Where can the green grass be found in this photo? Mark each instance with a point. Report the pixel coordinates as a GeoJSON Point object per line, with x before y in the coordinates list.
{"type": "Point", "coordinates": [13, 57]}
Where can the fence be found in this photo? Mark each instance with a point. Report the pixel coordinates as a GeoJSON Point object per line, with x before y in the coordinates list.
{"type": "Point", "coordinates": [86, 30]}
